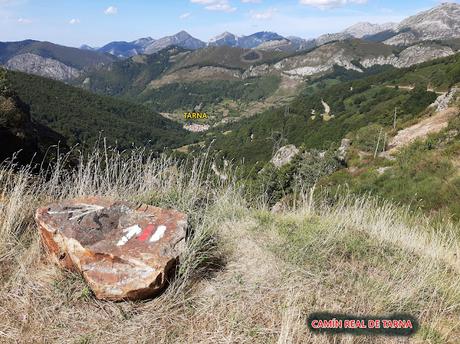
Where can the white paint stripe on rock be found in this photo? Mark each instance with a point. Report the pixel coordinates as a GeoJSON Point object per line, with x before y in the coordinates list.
{"type": "Point", "coordinates": [159, 233]}
{"type": "Point", "coordinates": [130, 233]}
{"type": "Point", "coordinates": [83, 210]}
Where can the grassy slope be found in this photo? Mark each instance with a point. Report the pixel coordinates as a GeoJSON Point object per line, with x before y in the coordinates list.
{"type": "Point", "coordinates": [424, 175]}
{"type": "Point", "coordinates": [263, 273]}
{"type": "Point", "coordinates": [83, 117]}
{"type": "Point", "coordinates": [228, 57]}
{"type": "Point", "coordinates": [130, 77]}
{"type": "Point", "coordinates": [188, 95]}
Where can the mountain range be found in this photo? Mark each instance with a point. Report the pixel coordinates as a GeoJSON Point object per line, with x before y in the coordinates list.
{"type": "Point", "coordinates": [441, 24]}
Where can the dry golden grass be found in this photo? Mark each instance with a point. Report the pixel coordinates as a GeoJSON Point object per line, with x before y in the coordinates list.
{"type": "Point", "coordinates": [248, 276]}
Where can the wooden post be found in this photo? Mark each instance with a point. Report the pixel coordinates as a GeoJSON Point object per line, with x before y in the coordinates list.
{"type": "Point", "coordinates": [394, 119]}
{"type": "Point", "coordinates": [378, 144]}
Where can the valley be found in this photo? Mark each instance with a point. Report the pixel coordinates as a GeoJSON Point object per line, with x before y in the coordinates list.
{"type": "Point", "coordinates": [260, 178]}
{"type": "Point", "coordinates": [257, 97]}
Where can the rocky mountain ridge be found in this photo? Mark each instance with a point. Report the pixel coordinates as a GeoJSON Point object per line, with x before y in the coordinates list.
{"type": "Point", "coordinates": [127, 49]}
{"type": "Point", "coordinates": [49, 59]}
{"type": "Point", "coordinates": [38, 65]}
{"type": "Point", "coordinates": [182, 39]}
{"type": "Point", "coordinates": [439, 23]}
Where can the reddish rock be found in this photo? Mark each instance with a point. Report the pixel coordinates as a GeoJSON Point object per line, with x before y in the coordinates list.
{"type": "Point", "coordinates": [123, 251]}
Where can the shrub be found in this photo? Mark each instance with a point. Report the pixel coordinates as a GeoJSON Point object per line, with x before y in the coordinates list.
{"type": "Point", "coordinates": [367, 138]}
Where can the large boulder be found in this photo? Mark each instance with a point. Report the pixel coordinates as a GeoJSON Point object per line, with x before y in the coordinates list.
{"type": "Point", "coordinates": [343, 150]}
{"type": "Point", "coordinates": [124, 251]}
{"type": "Point", "coordinates": [284, 155]}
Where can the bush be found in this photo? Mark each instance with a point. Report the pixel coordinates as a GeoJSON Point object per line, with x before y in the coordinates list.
{"type": "Point", "coordinates": [313, 165]}
{"type": "Point", "coordinates": [301, 174]}
{"type": "Point", "coordinates": [367, 138]}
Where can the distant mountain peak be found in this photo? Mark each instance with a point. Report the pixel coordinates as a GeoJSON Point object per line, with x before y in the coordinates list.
{"type": "Point", "coordinates": [182, 39]}
{"type": "Point", "coordinates": [226, 38]}
{"type": "Point", "coordinates": [359, 30]}
{"type": "Point", "coordinates": [143, 41]}
{"type": "Point", "coordinates": [87, 47]}
{"type": "Point", "coordinates": [224, 35]}
{"type": "Point", "coordinates": [440, 22]}
{"type": "Point", "coordinates": [182, 34]}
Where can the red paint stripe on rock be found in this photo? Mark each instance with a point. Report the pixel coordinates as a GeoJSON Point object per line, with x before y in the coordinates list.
{"type": "Point", "coordinates": [147, 232]}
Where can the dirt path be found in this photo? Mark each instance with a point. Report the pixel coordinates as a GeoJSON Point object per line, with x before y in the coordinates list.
{"type": "Point", "coordinates": [430, 125]}
{"type": "Point", "coordinates": [410, 88]}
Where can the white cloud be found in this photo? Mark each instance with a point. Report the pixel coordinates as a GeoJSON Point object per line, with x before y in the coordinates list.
{"type": "Point", "coordinates": [251, 1]}
{"type": "Point", "coordinates": [215, 5]}
{"type": "Point", "coordinates": [111, 10]}
{"type": "Point", "coordinates": [185, 15]}
{"type": "Point", "coordinates": [325, 4]}
{"type": "Point", "coordinates": [263, 15]}
{"type": "Point", "coordinates": [24, 21]}
{"type": "Point", "coordinates": [74, 21]}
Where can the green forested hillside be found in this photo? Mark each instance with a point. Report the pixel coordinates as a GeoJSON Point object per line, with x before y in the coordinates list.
{"type": "Point", "coordinates": [354, 104]}
{"type": "Point", "coordinates": [21, 137]}
{"type": "Point", "coordinates": [83, 117]}
{"type": "Point", "coordinates": [423, 175]}
{"type": "Point", "coordinates": [129, 77]}
{"type": "Point", "coordinates": [188, 95]}
{"type": "Point", "coordinates": [228, 57]}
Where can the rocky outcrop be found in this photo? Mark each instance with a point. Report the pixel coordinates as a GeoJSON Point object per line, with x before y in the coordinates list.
{"type": "Point", "coordinates": [343, 150]}
{"type": "Point", "coordinates": [359, 30]}
{"type": "Point", "coordinates": [278, 45]}
{"type": "Point", "coordinates": [438, 23]}
{"type": "Point", "coordinates": [124, 251]}
{"type": "Point", "coordinates": [284, 155]}
{"type": "Point", "coordinates": [443, 101]}
{"type": "Point", "coordinates": [413, 55]}
{"type": "Point", "coordinates": [256, 71]}
{"type": "Point", "coordinates": [363, 29]}
{"type": "Point", "coordinates": [318, 61]}
{"type": "Point", "coordinates": [324, 58]}
{"type": "Point", "coordinates": [47, 67]}
{"type": "Point", "coordinates": [422, 129]}
{"type": "Point", "coordinates": [331, 37]}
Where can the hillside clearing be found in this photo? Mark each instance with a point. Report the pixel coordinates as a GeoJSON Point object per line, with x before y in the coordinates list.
{"type": "Point", "coordinates": [422, 129]}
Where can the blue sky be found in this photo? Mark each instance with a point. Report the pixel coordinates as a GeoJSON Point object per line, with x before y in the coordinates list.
{"type": "Point", "coordinates": [96, 22]}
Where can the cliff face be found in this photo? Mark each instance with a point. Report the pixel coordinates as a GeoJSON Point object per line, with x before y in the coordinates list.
{"type": "Point", "coordinates": [50, 60]}
{"type": "Point", "coordinates": [345, 54]}
{"type": "Point", "coordinates": [438, 23]}
{"type": "Point", "coordinates": [38, 65]}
